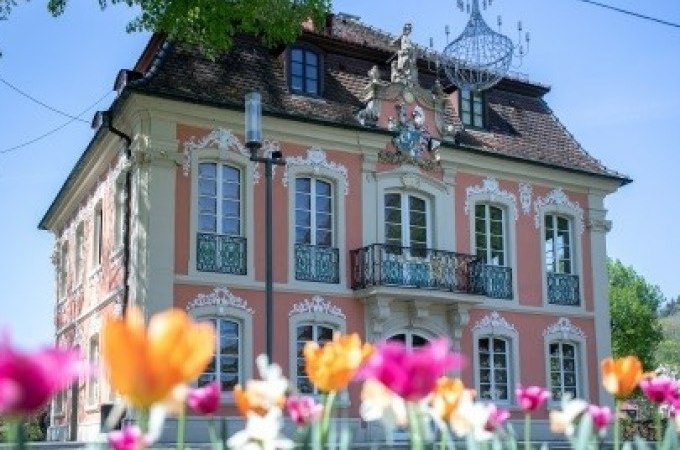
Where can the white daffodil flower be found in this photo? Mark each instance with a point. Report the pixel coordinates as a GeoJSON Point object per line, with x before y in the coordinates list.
{"type": "Point", "coordinates": [379, 403]}
{"type": "Point", "coordinates": [261, 433]}
{"type": "Point", "coordinates": [562, 422]}
{"type": "Point", "coordinates": [471, 419]}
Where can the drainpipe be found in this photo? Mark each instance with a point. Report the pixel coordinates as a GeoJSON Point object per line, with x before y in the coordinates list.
{"type": "Point", "coordinates": [105, 118]}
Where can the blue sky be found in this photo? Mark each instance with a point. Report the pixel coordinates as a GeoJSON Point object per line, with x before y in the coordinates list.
{"type": "Point", "coordinates": [614, 87]}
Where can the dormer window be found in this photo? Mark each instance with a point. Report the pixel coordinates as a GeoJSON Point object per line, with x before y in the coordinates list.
{"type": "Point", "coordinates": [304, 65]}
{"type": "Point", "coordinates": [472, 108]}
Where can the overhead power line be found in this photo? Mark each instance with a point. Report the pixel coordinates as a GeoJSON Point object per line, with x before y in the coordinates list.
{"type": "Point", "coordinates": [632, 13]}
{"type": "Point", "coordinates": [35, 100]}
{"type": "Point", "coordinates": [54, 130]}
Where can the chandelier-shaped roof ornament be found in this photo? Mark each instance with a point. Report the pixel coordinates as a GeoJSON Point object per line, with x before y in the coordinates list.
{"type": "Point", "coordinates": [480, 57]}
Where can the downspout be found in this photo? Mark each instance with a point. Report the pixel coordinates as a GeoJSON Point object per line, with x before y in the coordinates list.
{"type": "Point", "coordinates": [127, 234]}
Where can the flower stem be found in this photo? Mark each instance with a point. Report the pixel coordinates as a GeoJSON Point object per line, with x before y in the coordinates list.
{"type": "Point", "coordinates": [617, 425]}
{"type": "Point", "coordinates": [657, 420]}
{"type": "Point", "coordinates": [326, 418]}
{"type": "Point", "coordinates": [527, 431]}
{"type": "Point", "coordinates": [181, 428]}
{"type": "Point", "coordinates": [143, 421]}
{"type": "Point", "coordinates": [415, 426]}
{"type": "Point", "coordinates": [15, 434]}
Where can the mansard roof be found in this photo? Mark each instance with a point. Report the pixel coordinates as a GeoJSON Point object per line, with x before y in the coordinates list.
{"type": "Point", "coordinates": [520, 124]}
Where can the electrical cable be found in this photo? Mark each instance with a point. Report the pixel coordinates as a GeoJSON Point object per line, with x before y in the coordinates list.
{"type": "Point", "coordinates": [632, 13]}
{"type": "Point", "coordinates": [54, 130]}
{"type": "Point", "coordinates": [35, 100]}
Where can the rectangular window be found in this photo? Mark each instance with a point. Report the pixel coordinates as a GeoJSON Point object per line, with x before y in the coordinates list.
{"type": "Point", "coordinates": [225, 365]}
{"type": "Point", "coordinates": [308, 332]}
{"type": "Point", "coordinates": [490, 234]}
{"type": "Point", "coordinates": [564, 370]}
{"type": "Point", "coordinates": [93, 384]}
{"type": "Point", "coordinates": [558, 249]}
{"type": "Point", "coordinates": [472, 108]}
{"type": "Point", "coordinates": [98, 228]}
{"type": "Point", "coordinates": [304, 71]}
{"type": "Point", "coordinates": [313, 212]}
{"type": "Point", "coordinates": [406, 224]}
{"type": "Point", "coordinates": [79, 254]}
{"type": "Point", "coordinates": [219, 199]}
{"type": "Point", "coordinates": [59, 402]}
{"type": "Point", "coordinates": [494, 369]}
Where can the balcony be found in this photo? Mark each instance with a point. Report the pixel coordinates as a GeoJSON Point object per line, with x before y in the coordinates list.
{"type": "Point", "coordinates": [563, 289]}
{"type": "Point", "coordinates": [221, 253]}
{"type": "Point", "coordinates": [420, 268]}
{"type": "Point", "coordinates": [494, 281]}
{"type": "Point", "coordinates": [317, 263]}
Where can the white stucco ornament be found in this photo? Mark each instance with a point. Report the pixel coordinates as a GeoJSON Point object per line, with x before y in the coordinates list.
{"type": "Point", "coordinates": [316, 159]}
{"type": "Point", "coordinates": [492, 191]}
{"type": "Point", "coordinates": [526, 191]}
{"type": "Point", "coordinates": [220, 296]}
{"type": "Point", "coordinates": [494, 321]}
{"type": "Point", "coordinates": [316, 304]}
{"type": "Point", "coordinates": [559, 198]}
{"type": "Point", "coordinates": [564, 329]}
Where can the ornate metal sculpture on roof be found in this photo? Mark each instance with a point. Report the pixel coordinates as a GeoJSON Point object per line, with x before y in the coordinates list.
{"type": "Point", "coordinates": [480, 57]}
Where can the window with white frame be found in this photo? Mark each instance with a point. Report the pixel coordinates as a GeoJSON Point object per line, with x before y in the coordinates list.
{"type": "Point", "coordinates": [494, 368]}
{"type": "Point", "coordinates": [304, 72]}
{"type": "Point", "coordinates": [225, 366]}
{"type": "Point", "coordinates": [558, 244]}
{"type": "Point", "coordinates": [410, 339]}
{"type": "Point", "coordinates": [564, 371]}
{"type": "Point", "coordinates": [97, 235]}
{"type": "Point", "coordinates": [490, 234]}
{"type": "Point", "coordinates": [220, 245]}
{"type": "Point", "coordinates": [78, 250]}
{"type": "Point", "coordinates": [406, 223]}
{"type": "Point", "coordinates": [472, 108]}
{"type": "Point", "coordinates": [63, 269]}
{"type": "Point", "coordinates": [306, 332]}
{"type": "Point", "coordinates": [93, 382]}
{"type": "Point", "coordinates": [313, 212]}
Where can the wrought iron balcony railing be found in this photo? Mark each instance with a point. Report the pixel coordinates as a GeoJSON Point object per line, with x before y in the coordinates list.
{"type": "Point", "coordinates": [221, 253]}
{"type": "Point", "coordinates": [494, 281]}
{"type": "Point", "coordinates": [389, 265]}
{"type": "Point", "coordinates": [317, 263]}
{"type": "Point", "coordinates": [563, 289]}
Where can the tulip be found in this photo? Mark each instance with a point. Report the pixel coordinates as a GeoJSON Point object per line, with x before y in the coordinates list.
{"type": "Point", "coordinates": [601, 415]}
{"type": "Point", "coordinates": [620, 376]}
{"type": "Point", "coordinates": [260, 396]}
{"type": "Point", "coordinates": [129, 438]}
{"type": "Point", "coordinates": [411, 373]}
{"type": "Point", "coordinates": [660, 389]}
{"type": "Point", "coordinates": [562, 422]}
{"type": "Point", "coordinates": [303, 409]}
{"type": "Point", "coordinates": [333, 366]}
{"type": "Point", "coordinates": [497, 417]}
{"type": "Point", "coordinates": [531, 398]}
{"type": "Point", "coordinates": [146, 364]}
{"type": "Point", "coordinates": [471, 419]}
{"type": "Point", "coordinates": [262, 433]}
{"type": "Point", "coordinates": [29, 380]}
{"type": "Point", "coordinates": [379, 403]}
{"type": "Point", "coordinates": [447, 396]}
{"type": "Point", "coordinates": [205, 400]}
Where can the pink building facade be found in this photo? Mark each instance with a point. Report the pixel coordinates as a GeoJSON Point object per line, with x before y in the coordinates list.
{"type": "Point", "coordinates": [406, 211]}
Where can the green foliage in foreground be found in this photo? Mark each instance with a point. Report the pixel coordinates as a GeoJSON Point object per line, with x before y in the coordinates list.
{"type": "Point", "coordinates": [212, 24]}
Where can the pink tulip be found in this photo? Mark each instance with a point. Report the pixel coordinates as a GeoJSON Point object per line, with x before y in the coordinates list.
{"type": "Point", "coordinates": [602, 416]}
{"type": "Point", "coordinates": [303, 410]}
{"type": "Point", "coordinates": [29, 380]}
{"type": "Point", "coordinates": [497, 417]}
{"type": "Point", "coordinates": [410, 373]}
{"type": "Point", "coordinates": [660, 389]}
{"type": "Point", "coordinates": [531, 398]}
{"type": "Point", "coordinates": [129, 438]}
{"type": "Point", "coordinates": [205, 400]}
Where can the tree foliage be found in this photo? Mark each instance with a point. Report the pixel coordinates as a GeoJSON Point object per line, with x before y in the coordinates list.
{"type": "Point", "coordinates": [212, 24]}
{"type": "Point", "coordinates": [633, 301]}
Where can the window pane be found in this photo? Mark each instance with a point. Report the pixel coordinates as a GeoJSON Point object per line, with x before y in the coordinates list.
{"type": "Point", "coordinates": [323, 188]}
{"type": "Point", "coordinates": [392, 215]}
{"type": "Point", "coordinates": [466, 118]}
{"type": "Point", "coordinates": [311, 72]}
{"type": "Point", "coordinates": [496, 213]}
{"type": "Point", "coordinates": [207, 170]}
{"type": "Point", "coordinates": [296, 83]}
{"type": "Point", "coordinates": [207, 223]}
{"type": "Point", "coordinates": [296, 54]}
{"type": "Point", "coordinates": [323, 237]}
{"type": "Point", "coordinates": [207, 187]}
{"type": "Point", "coordinates": [231, 208]}
{"type": "Point", "coordinates": [305, 333]}
{"type": "Point", "coordinates": [303, 185]}
{"type": "Point", "coordinates": [418, 218]}
{"type": "Point", "coordinates": [230, 174]}
{"type": "Point", "coordinates": [312, 87]}
{"type": "Point", "coordinates": [323, 204]}
{"type": "Point", "coordinates": [478, 121]}
{"type": "Point", "coordinates": [296, 69]}
{"type": "Point", "coordinates": [323, 221]}
{"type": "Point", "coordinates": [303, 218]}
{"type": "Point", "coordinates": [303, 201]}
{"type": "Point", "coordinates": [207, 205]}
{"type": "Point", "coordinates": [416, 204]}
{"type": "Point", "coordinates": [303, 236]}
{"type": "Point", "coordinates": [312, 59]}
{"type": "Point", "coordinates": [231, 227]}
{"type": "Point", "coordinates": [393, 200]}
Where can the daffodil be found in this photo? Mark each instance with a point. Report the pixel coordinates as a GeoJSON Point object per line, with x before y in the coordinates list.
{"type": "Point", "coordinates": [261, 433]}
{"type": "Point", "coordinates": [621, 376]}
{"type": "Point", "coordinates": [471, 418]}
{"type": "Point", "coordinates": [332, 366]}
{"type": "Point", "coordinates": [379, 403]}
{"type": "Point", "coordinates": [447, 396]}
{"type": "Point", "coordinates": [563, 421]}
{"type": "Point", "coordinates": [145, 364]}
{"type": "Point", "coordinates": [259, 396]}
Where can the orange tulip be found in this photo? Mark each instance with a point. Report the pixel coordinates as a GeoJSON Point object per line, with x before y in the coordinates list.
{"type": "Point", "coordinates": [620, 376]}
{"type": "Point", "coordinates": [333, 366]}
{"type": "Point", "coordinates": [447, 396]}
{"type": "Point", "coordinates": [146, 364]}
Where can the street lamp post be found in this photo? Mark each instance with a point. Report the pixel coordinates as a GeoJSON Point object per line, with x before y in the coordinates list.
{"type": "Point", "coordinates": [254, 143]}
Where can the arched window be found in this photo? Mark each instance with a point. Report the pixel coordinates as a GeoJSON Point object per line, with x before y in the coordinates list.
{"type": "Point", "coordinates": [564, 360]}
{"type": "Point", "coordinates": [309, 332]}
{"type": "Point", "coordinates": [225, 365]}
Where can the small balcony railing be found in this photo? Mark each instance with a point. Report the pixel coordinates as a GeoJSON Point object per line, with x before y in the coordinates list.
{"type": "Point", "coordinates": [221, 253]}
{"type": "Point", "coordinates": [389, 265]}
{"type": "Point", "coordinates": [494, 281]}
{"type": "Point", "coordinates": [563, 289]}
{"type": "Point", "coordinates": [317, 263]}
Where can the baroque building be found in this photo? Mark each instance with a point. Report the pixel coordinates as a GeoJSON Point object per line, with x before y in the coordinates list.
{"type": "Point", "coordinates": [406, 210]}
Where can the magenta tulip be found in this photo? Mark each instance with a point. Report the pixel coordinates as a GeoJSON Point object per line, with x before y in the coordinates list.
{"type": "Point", "coordinates": [28, 381]}
{"type": "Point", "coordinates": [205, 400]}
{"type": "Point", "coordinates": [531, 398]}
{"type": "Point", "coordinates": [129, 438]}
{"type": "Point", "coordinates": [410, 373]}
{"type": "Point", "coordinates": [602, 416]}
{"type": "Point", "coordinates": [303, 410]}
{"type": "Point", "coordinates": [660, 389]}
{"type": "Point", "coordinates": [497, 417]}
